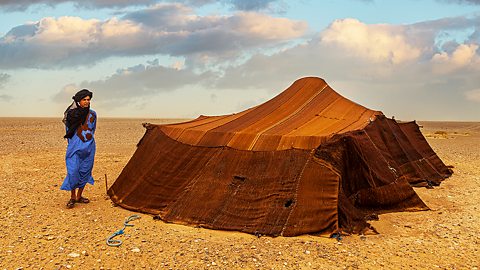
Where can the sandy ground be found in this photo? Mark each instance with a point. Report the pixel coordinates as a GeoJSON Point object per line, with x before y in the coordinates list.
{"type": "Point", "coordinates": [38, 232]}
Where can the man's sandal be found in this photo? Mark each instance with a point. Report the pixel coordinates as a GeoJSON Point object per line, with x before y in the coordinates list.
{"type": "Point", "coordinates": [83, 200]}
{"type": "Point", "coordinates": [71, 203]}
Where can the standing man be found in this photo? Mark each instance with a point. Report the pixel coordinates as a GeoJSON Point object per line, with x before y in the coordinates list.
{"type": "Point", "coordinates": [80, 122]}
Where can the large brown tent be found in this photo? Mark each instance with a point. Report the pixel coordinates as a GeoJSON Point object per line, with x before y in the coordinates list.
{"type": "Point", "coordinates": [307, 161]}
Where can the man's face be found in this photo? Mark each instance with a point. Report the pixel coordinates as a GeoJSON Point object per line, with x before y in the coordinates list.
{"type": "Point", "coordinates": [85, 102]}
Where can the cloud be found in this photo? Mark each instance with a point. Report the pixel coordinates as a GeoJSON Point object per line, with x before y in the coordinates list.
{"type": "Point", "coordinates": [352, 50]}
{"type": "Point", "coordinates": [66, 93]}
{"type": "Point", "coordinates": [244, 5]}
{"type": "Point", "coordinates": [169, 29]}
{"type": "Point", "coordinates": [4, 78]}
{"type": "Point", "coordinates": [464, 56]}
{"type": "Point", "coordinates": [380, 66]}
{"type": "Point", "coordinates": [473, 95]}
{"type": "Point", "coordinates": [15, 5]}
{"type": "Point", "coordinates": [347, 49]}
{"type": "Point", "coordinates": [135, 83]}
{"type": "Point", "coordinates": [468, 2]}
{"type": "Point", "coordinates": [376, 42]}
{"type": "Point", "coordinates": [387, 62]}
{"type": "Point", "coordinates": [250, 5]}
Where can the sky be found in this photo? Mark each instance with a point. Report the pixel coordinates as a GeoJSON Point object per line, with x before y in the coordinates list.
{"type": "Point", "coordinates": [412, 59]}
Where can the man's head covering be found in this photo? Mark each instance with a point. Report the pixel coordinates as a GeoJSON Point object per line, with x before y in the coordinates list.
{"type": "Point", "coordinates": [82, 94]}
{"type": "Point", "coordinates": [75, 115]}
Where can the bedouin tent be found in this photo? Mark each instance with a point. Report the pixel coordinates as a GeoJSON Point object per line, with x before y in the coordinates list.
{"type": "Point", "coordinates": [308, 161]}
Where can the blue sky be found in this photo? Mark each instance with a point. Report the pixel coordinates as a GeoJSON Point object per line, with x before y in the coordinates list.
{"type": "Point", "coordinates": [150, 58]}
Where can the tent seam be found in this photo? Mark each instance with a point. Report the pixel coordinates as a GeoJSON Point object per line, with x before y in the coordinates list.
{"type": "Point", "coordinates": [296, 190]}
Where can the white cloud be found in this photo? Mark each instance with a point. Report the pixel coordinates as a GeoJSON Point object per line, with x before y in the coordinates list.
{"type": "Point", "coordinates": [260, 26]}
{"type": "Point", "coordinates": [377, 80]}
{"type": "Point", "coordinates": [245, 5]}
{"type": "Point", "coordinates": [169, 29]}
{"type": "Point", "coordinates": [371, 65]}
{"type": "Point", "coordinates": [68, 41]}
{"type": "Point", "coordinates": [464, 56]}
{"type": "Point", "coordinates": [352, 50]}
{"type": "Point", "coordinates": [14, 5]}
{"type": "Point", "coordinates": [385, 43]}
{"type": "Point", "coordinates": [68, 31]}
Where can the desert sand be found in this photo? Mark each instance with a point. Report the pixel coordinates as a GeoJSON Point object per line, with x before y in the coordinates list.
{"type": "Point", "coordinates": [38, 232]}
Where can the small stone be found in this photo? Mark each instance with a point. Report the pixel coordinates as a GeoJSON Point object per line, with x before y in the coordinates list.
{"type": "Point", "coordinates": [50, 238]}
{"type": "Point", "coordinates": [84, 253]}
{"type": "Point", "coordinates": [74, 255]}
{"type": "Point", "coordinates": [136, 250]}
{"type": "Point", "coordinates": [213, 263]}
{"type": "Point", "coordinates": [307, 252]}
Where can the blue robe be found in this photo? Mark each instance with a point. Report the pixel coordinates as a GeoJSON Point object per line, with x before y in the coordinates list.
{"type": "Point", "coordinates": [80, 155]}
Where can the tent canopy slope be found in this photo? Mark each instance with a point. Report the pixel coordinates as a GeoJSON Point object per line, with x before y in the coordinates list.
{"type": "Point", "coordinates": [308, 161]}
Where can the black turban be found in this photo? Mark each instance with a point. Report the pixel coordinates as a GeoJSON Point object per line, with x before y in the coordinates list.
{"type": "Point", "coordinates": [82, 94]}
{"type": "Point", "coordinates": [75, 115]}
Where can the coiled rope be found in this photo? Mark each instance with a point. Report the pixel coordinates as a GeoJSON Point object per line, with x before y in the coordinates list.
{"type": "Point", "coordinates": [116, 243]}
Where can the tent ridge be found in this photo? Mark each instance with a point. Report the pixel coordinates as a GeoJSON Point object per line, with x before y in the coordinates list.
{"type": "Point", "coordinates": [286, 117]}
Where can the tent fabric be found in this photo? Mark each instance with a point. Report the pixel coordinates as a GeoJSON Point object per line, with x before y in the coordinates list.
{"type": "Point", "coordinates": [308, 161]}
{"type": "Point", "coordinates": [303, 116]}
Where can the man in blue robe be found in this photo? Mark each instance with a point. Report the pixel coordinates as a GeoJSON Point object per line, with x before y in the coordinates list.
{"type": "Point", "coordinates": [80, 122]}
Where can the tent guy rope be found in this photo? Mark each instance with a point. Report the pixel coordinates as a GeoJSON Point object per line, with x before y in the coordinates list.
{"type": "Point", "coordinates": [116, 243]}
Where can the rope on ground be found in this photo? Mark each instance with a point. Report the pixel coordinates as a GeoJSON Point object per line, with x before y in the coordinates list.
{"type": "Point", "coordinates": [337, 235]}
{"type": "Point", "coordinates": [116, 243]}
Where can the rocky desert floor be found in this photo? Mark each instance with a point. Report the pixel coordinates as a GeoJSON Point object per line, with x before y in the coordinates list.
{"type": "Point", "coordinates": [38, 232]}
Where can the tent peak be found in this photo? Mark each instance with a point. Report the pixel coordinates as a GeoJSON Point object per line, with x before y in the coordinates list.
{"type": "Point", "coordinates": [311, 78]}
